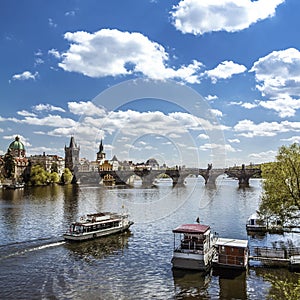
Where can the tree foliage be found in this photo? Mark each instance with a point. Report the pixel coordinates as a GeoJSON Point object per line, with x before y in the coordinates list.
{"type": "Point", "coordinates": [283, 288]}
{"type": "Point", "coordinates": [39, 176]}
{"type": "Point", "coordinates": [67, 176]}
{"type": "Point", "coordinates": [281, 185]}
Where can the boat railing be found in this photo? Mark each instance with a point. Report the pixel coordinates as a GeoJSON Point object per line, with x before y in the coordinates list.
{"type": "Point", "coordinates": [230, 259]}
{"type": "Point", "coordinates": [275, 252]}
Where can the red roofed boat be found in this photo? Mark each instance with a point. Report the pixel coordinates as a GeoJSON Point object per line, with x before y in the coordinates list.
{"type": "Point", "coordinates": [193, 247]}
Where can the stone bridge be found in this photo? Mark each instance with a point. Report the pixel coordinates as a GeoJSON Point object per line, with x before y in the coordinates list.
{"type": "Point", "coordinates": [243, 174]}
{"type": "Point", "coordinates": [210, 175]}
{"type": "Point", "coordinates": [178, 175]}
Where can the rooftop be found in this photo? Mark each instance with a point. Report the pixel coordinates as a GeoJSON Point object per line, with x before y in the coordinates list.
{"type": "Point", "coordinates": [232, 242]}
{"type": "Point", "coordinates": [191, 228]}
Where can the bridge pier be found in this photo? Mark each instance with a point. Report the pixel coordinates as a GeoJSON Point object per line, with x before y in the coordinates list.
{"type": "Point", "coordinates": [243, 175]}
{"type": "Point", "coordinates": [210, 175]}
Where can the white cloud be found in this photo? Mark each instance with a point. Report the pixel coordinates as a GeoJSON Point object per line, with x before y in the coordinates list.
{"type": "Point", "coordinates": [220, 147]}
{"type": "Point", "coordinates": [26, 113]}
{"type": "Point", "coordinates": [293, 139]}
{"type": "Point", "coordinates": [246, 105]}
{"type": "Point", "coordinates": [247, 128]}
{"type": "Point", "coordinates": [284, 106]}
{"type": "Point", "coordinates": [110, 52]}
{"type": "Point", "coordinates": [55, 53]}
{"type": "Point", "coordinates": [278, 77]}
{"type": "Point", "coordinates": [225, 70]}
{"type": "Point", "coordinates": [38, 61]}
{"type": "Point", "coordinates": [234, 141]}
{"type": "Point", "coordinates": [211, 97]}
{"type": "Point", "coordinates": [50, 120]}
{"type": "Point", "coordinates": [25, 76]}
{"type": "Point", "coordinates": [51, 23]}
{"type": "Point", "coordinates": [203, 136]}
{"type": "Point", "coordinates": [198, 17]}
{"type": "Point", "coordinates": [70, 13]}
{"type": "Point", "coordinates": [23, 139]}
{"type": "Point", "coordinates": [216, 112]}
{"type": "Point", "coordinates": [262, 156]}
{"type": "Point", "coordinates": [47, 107]}
{"type": "Point", "coordinates": [86, 108]}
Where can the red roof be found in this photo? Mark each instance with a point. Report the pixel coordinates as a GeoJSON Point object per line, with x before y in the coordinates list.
{"type": "Point", "coordinates": [191, 228]}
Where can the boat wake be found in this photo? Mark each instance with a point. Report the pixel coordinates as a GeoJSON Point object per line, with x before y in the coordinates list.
{"type": "Point", "coordinates": [22, 248]}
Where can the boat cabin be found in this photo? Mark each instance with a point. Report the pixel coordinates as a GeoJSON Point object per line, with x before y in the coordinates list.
{"type": "Point", "coordinates": [192, 247]}
{"type": "Point", "coordinates": [79, 227]}
{"type": "Point", "coordinates": [193, 237]}
{"type": "Point", "coordinates": [231, 253]}
{"type": "Point", "coordinates": [254, 223]}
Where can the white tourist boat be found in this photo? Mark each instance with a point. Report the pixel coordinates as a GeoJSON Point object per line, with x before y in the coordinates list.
{"type": "Point", "coordinates": [193, 247]}
{"type": "Point", "coordinates": [97, 225]}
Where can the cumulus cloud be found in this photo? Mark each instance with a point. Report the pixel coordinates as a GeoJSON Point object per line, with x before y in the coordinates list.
{"type": "Point", "coordinates": [278, 78]}
{"type": "Point", "coordinates": [216, 112]}
{"type": "Point", "coordinates": [52, 23]}
{"type": "Point", "coordinates": [211, 97]}
{"type": "Point", "coordinates": [225, 70]}
{"type": "Point", "coordinates": [198, 17]}
{"type": "Point", "coordinates": [293, 139]}
{"type": "Point", "coordinates": [220, 147]}
{"type": "Point", "coordinates": [50, 120]}
{"type": "Point", "coordinates": [25, 76]}
{"type": "Point", "coordinates": [110, 52]}
{"type": "Point", "coordinates": [86, 108]}
{"type": "Point", "coordinates": [26, 113]}
{"type": "Point", "coordinates": [23, 139]}
{"type": "Point", "coordinates": [246, 105]}
{"type": "Point", "coordinates": [248, 128]}
{"type": "Point", "coordinates": [263, 156]}
{"type": "Point", "coordinates": [55, 53]}
{"type": "Point", "coordinates": [47, 107]}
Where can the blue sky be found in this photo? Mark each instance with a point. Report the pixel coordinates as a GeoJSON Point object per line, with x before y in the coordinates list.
{"type": "Point", "coordinates": [218, 81]}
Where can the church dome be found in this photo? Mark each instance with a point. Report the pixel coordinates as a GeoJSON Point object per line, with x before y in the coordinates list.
{"type": "Point", "coordinates": [16, 145]}
{"type": "Point", "coordinates": [152, 162]}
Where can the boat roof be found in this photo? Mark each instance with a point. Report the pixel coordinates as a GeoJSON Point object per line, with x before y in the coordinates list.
{"type": "Point", "coordinates": [191, 228]}
{"type": "Point", "coordinates": [232, 242]}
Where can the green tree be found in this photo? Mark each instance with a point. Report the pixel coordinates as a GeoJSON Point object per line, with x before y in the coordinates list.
{"type": "Point", "coordinates": [54, 177]}
{"type": "Point", "coordinates": [38, 175]}
{"type": "Point", "coordinates": [9, 164]}
{"type": "Point", "coordinates": [67, 176]}
{"type": "Point", "coordinates": [54, 167]}
{"type": "Point", "coordinates": [283, 288]}
{"type": "Point", "coordinates": [281, 185]}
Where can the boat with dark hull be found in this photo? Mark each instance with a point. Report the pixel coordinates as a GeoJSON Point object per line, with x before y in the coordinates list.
{"type": "Point", "coordinates": [97, 225]}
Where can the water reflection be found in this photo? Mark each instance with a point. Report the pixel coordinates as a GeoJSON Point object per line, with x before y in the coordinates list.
{"type": "Point", "coordinates": [232, 283]}
{"type": "Point", "coordinates": [191, 284]}
{"type": "Point", "coordinates": [100, 248]}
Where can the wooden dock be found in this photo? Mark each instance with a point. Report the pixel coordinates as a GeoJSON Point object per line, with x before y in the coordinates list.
{"type": "Point", "coordinates": [277, 257]}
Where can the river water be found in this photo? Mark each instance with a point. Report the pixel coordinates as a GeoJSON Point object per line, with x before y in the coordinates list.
{"type": "Point", "coordinates": [35, 262]}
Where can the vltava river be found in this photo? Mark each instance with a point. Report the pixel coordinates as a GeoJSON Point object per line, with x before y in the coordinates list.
{"type": "Point", "coordinates": [35, 262]}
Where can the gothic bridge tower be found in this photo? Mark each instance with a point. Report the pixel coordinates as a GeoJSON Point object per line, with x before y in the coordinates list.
{"type": "Point", "coordinates": [72, 156]}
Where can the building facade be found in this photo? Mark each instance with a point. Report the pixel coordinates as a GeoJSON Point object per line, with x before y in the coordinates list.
{"type": "Point", "coordinates": [14, 163]}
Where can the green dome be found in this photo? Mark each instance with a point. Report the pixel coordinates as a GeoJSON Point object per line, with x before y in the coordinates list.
{"type": "Point", "coordinates": [16, 145]}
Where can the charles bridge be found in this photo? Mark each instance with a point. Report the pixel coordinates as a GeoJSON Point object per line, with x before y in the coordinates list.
{"type": "Point", "coordinates": [177, 174]}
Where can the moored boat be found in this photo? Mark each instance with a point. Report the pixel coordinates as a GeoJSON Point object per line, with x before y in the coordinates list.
{"type": "Point", "coordinates": [97, 225]}
{"type": "Point", "coordinates": [255, 223]}
{"type": "Point", "coordinates": [195, 247]}
{"type": "Point", "coordinates": [231, 253]}
{"type": "Point", "coordinates": [14, 186]}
